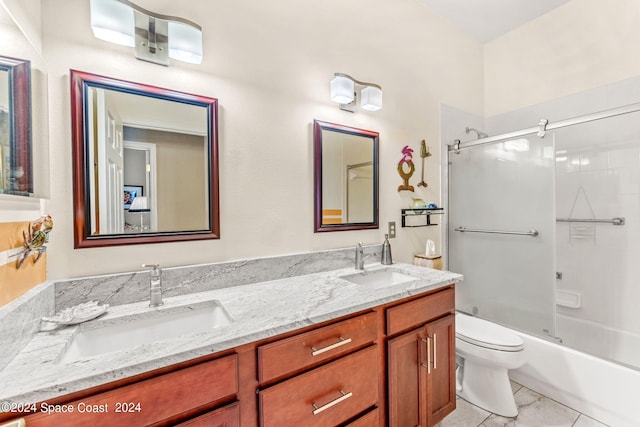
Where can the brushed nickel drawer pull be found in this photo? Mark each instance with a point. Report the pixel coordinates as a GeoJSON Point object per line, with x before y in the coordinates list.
{"type": "Point", "coordinates": [435, 351]}
{"type": "Point", "coordinates": [345, 396]}
{"type": "Point", "coordinates": [343, 341]}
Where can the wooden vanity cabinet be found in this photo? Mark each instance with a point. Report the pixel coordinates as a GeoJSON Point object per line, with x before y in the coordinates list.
{"type": "Point", "coordinates": [391, 365]}
{"type": "Point", "coordinates": [162, 400]}
{"type": "Point", "coordinates": [421, 362]}
{"type": "Point", "coordinates": [414, 367]}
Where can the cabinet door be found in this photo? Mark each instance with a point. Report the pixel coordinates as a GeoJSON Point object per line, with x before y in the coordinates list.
{"type": "Point", "coordinates": [408, 379]}
{"type": "Point", "coordinates": [422, 374]}
{"type": "Point", "coordinates": [442, 371]}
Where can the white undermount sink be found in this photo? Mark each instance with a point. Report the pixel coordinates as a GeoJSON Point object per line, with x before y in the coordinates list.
{"type": "Point", "coordinates": [146, 328]}
{"type": "Point", "coordinates": [380, 278]}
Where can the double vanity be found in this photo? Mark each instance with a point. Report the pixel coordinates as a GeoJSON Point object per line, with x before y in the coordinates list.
{"type": "Point", "coordinates": [338, 347]}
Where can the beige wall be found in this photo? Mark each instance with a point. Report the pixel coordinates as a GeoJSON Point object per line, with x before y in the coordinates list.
{"type": "Point", "coordinates": [270, 67]}
{"type": "Point", "coordinates": [581, 45]}
{"type": "Point", "coordinates": [28, 14]}
{"type": "Point", "coordinates": [182, 193]}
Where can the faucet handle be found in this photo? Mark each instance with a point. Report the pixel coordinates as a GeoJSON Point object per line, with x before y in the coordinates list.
{"type": "Point", "coordinates": [155, 269]}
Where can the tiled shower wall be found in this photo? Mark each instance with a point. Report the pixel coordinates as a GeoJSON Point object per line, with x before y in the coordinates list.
{"type": "Point", "coordinates": [597, 176]}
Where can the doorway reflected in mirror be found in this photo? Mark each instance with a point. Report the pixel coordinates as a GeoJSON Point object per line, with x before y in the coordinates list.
{"type": "Point", "coordinates": [346, 177]}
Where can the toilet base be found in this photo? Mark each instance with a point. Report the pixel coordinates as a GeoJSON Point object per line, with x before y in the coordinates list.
{"type": "Point", "coordinates": [487, 387]}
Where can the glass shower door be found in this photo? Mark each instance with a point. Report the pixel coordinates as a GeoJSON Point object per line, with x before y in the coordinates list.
{"type": "Point", "coordinates": [501, 232]}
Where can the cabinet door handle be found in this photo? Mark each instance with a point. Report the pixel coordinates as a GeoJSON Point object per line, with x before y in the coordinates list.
{"type": "Point", "coordinates": [427, 341]}
{"type": "Point", "coordinates": [343, 341]}
{"type": "Point", "coordinates": [429, 354]}
{"type": "Point", "coordinates": [344, 396]}
{"type": "Point", "coordinates": [435, 351]}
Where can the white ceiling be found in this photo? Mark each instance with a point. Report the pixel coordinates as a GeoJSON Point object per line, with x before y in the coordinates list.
{"type": "Point", "coordinates": [485, 20]}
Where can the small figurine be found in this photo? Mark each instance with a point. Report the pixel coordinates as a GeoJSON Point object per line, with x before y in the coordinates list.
{"type": "Point", "coordinates": [34, 242]}
{"type": "Point", "coordinates": [424, 152]}
{"type": "Point", "coordinates": [407, 154]}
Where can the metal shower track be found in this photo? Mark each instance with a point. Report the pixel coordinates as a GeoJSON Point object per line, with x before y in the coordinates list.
{"type": "Point", "coordinates": [544, 126]}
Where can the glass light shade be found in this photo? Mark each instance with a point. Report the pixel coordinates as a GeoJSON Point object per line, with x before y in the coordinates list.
{"type": "Point", "coordinates": [185, 42]}
{"type": "Point", "coordinates": [371, 98]}
{"type": "Point", "coordinates": [113, 21]}
{"type": "Point", "coordinates": [342, 90]}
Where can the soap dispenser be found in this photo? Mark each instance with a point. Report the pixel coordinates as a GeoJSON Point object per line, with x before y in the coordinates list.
{"type": "Point", "coordinates": [386, 252]}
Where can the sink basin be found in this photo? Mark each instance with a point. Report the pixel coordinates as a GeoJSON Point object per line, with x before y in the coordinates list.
{"type": "Point", "coordinates": [380, 278]}
{"type": "Point", "coordinates": [146, 328]}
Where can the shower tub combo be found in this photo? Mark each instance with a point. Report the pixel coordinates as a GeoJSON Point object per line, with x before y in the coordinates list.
{"type": "Point", "coordinates": [540, 221]}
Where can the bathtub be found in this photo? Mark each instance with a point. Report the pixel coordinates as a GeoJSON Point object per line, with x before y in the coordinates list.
{"type": "Point", "coordinates": [599, 340]}
{"type": "Point", "coordinates": [596, 387]}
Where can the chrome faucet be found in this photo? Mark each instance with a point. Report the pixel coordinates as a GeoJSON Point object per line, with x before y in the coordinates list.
{"type": "Point", "coordinates": [359, 257]}
{"type": "Point", "coordinates": [155, 285]}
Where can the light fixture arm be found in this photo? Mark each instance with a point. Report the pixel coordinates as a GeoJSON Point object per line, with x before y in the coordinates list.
{"type": "Point", "coordinates": [358, 82]}
{"type": "Point", "coordinates": [159, 15]}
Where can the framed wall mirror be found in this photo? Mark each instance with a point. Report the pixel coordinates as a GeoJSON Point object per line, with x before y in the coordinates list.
{"type": "Point", "coordinates": [16, 172]}
{"type": "Point", "coordinates": [345, 177]}
{"type": "Point", "coordinates": [145, 163]}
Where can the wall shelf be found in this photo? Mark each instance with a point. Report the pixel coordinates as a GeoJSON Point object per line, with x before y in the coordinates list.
{"type": "Point", "coordinates": [414, 212]}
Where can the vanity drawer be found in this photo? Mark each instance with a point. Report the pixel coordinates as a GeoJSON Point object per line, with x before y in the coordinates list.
{"type": "Point", "coordinates": [151, 401]}
{"type": "Point", "coordinates": [227, 416]}
{"type": "Point", "coordinates": [325, 396]}
{"type": "Point", "coordinates": [417, 312]}
{"type": "Point", "coordinates": [370, 419]}
{"type": "Point", "coordinates": [288, 355]}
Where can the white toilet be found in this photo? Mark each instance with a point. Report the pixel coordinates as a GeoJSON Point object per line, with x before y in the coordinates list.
{"type": "Point", "coordinates": [485, 352]}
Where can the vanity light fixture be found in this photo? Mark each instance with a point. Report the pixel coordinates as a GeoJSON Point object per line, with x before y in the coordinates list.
{"type": "Point", "coordinates": [155, 37]}
{"type": "Point", "coordinates": [343, 91]}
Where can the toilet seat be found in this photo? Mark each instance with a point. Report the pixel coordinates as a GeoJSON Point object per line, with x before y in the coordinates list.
{"type": "Point", "coordinates": [485, 334]}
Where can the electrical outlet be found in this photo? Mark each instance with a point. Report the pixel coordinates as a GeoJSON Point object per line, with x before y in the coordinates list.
{"type": "Point", "coordinates": [392, 229]}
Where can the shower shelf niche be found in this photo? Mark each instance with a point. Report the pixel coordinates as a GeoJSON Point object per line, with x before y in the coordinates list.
{"type": "Point", "coordinates": [413, 212]}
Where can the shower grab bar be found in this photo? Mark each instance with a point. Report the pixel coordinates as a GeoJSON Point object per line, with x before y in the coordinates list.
{"type": "Point", "coordinates": [614, 221]}
{"type": "Point", "coordinates": [532, 233]}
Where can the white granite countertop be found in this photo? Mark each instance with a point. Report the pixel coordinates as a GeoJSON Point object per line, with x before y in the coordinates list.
{"type": "Point", "coordinates": [257, 311]}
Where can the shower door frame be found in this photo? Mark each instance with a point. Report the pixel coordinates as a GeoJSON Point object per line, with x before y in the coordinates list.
{"type": "Point", "coordinates": [543, 126]}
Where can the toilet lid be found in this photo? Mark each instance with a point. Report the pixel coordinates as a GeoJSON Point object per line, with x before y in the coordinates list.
{"type": "Point", "coordinates": [486, 334]}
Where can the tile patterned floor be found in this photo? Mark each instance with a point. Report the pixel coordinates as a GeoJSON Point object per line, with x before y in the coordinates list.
{"type": "Point", "coordinates": [534, 410]}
